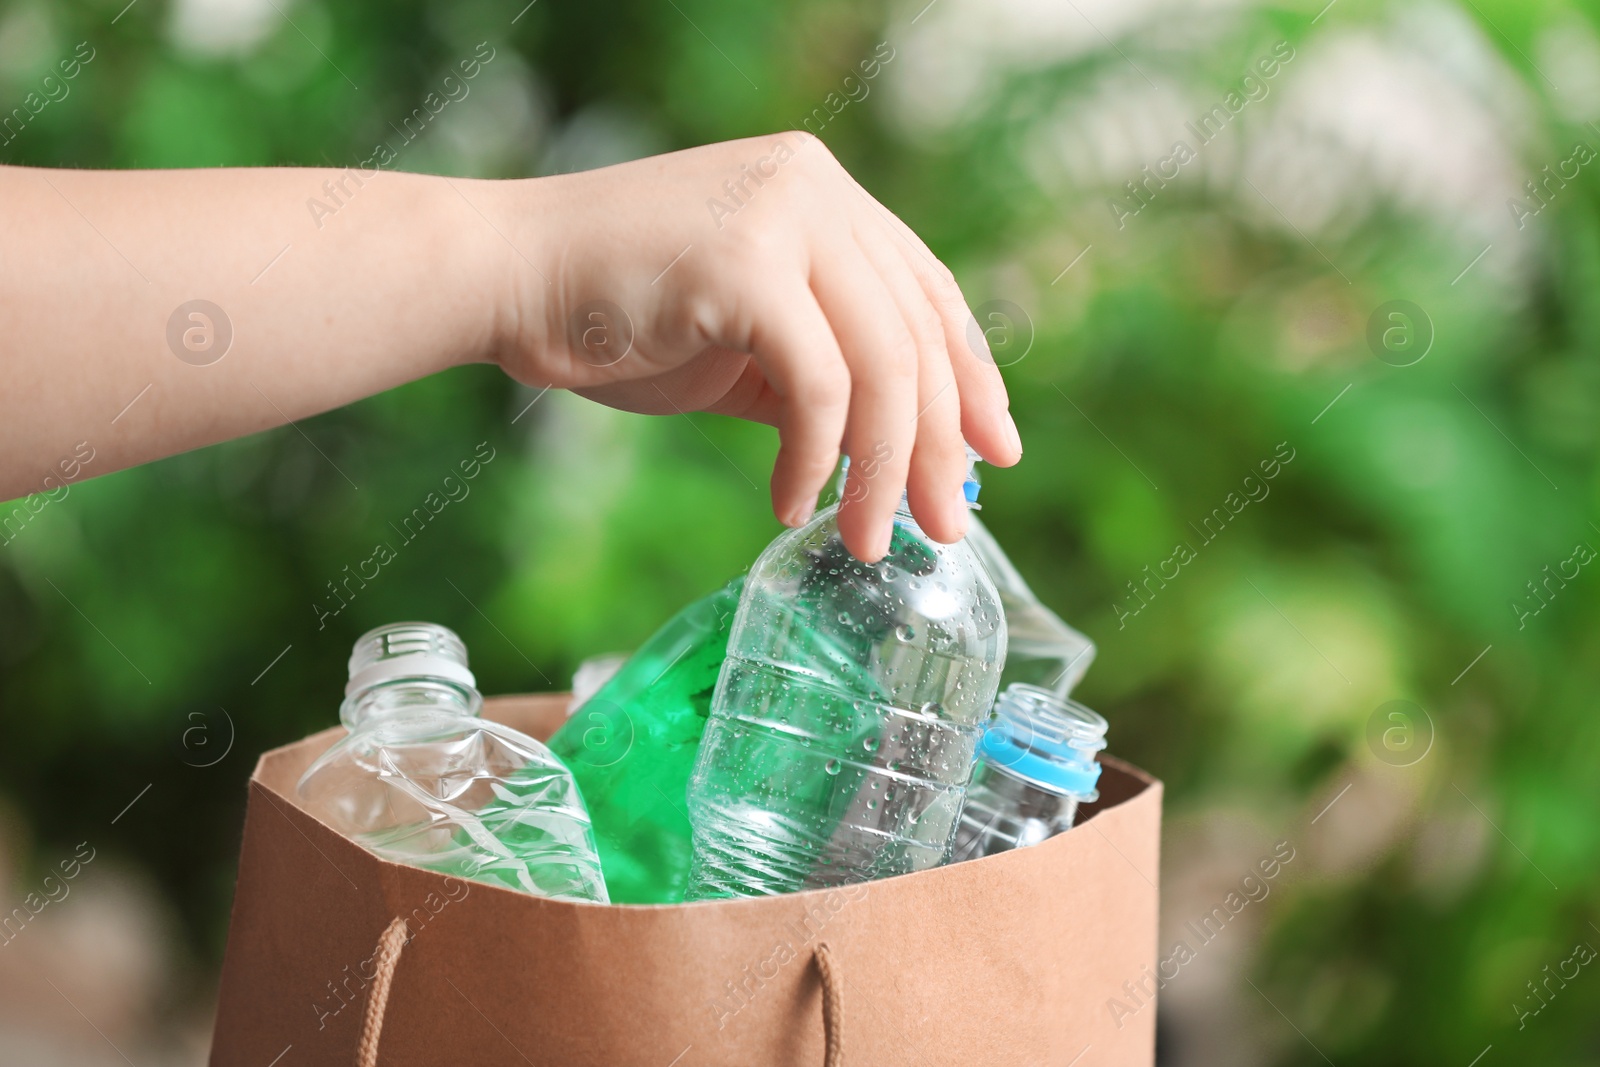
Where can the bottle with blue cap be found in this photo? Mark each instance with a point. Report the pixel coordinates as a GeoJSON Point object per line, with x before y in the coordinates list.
{"type": "Point", "coordinates": [847, 713]}
{"type": "Point", "coordinates": [421, 778]}
{"type": "Point", "coordinates": [1041, 649]}
{"type": "Point", "coordinates": [1038, 764]}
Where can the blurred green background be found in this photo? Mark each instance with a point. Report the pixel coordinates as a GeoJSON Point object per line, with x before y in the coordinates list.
{"type": "Point", "coordinates": [1160, 341]}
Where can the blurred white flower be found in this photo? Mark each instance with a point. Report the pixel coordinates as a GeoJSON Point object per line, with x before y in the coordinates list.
{"type": "Point", "coordinates": [1372, 122]}
{"type": "Point", "coordinates": [1101, 138]}
{"type": "Point", "coordinates": [220, 28]}
{"type": "Point", "coordinates": [496, 130]}
{"type": "Point", "coordinates": [951, 54]}
{"type": "Point", "coordinates": [1364, 120]}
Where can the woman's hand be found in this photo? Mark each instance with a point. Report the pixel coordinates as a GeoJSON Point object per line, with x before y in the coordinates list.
{"type": "Point", "coordinates": [756, 278]}
{"type": "Point", "coordinates": [753, 278]}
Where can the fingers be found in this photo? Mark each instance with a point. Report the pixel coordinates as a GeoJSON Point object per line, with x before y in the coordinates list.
{"type": "Point", "coordinates": [719, 379]}
{"type": "Point", "coordinates": [986, 421]}
{"type": "Point", "coordinates": [938, 459]}
{"type": "Point", "coordinates": [795, 347]}
{"type": "Point", "coordinates": [855, 332]}
{"type": "Point", "coordinates": [883, 360]}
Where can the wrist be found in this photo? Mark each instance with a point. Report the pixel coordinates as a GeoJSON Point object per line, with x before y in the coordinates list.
{"type": "Point", "coordinates": [504, 227]}
{"type": "Point", "coordinates": [473, 266]}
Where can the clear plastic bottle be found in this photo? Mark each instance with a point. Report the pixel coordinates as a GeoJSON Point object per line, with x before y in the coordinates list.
{"type": "Point", "coordinates": [422, 779]}
{"type": "Point", "coordinates": [1042, 650]}
{"type": "Point", "coordinates": [1038, 764]}
{"type": "Point", "coordinates": [847, 714]}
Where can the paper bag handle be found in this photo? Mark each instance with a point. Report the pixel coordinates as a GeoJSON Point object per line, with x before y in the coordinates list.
{"type": "Point", "coordinates": [390, 943]}
{"type": "Point", "coordinates": [832, 1007]}
{"type": "Point", "coordinates": [393, 940]}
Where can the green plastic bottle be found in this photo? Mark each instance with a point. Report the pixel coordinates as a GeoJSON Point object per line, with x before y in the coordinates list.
{"type": "Point", "coordinates": [632, 747]}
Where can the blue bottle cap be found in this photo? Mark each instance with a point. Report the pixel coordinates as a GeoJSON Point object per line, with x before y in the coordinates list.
{"type": "Point", "coordinates": [969, 488]}
{"type": "Point", "coordinates": [1045, 740]}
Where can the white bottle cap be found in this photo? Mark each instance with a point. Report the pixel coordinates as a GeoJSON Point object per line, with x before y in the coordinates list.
{"type": "Point", "coordinates": [411, 665]}
{"type": "Point", "coordinates": [407, 650]}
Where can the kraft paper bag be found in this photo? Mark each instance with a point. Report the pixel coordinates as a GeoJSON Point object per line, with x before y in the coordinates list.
{"type": "Point", "coordinates": [1028, 958]}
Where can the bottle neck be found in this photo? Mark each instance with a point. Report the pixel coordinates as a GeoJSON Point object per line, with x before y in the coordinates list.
{"type": "Point", "coordinates": [408, 666]}
{"type": "Point", "coordinates": [1045, 740]}
{"type": "Point", "coordinates": [1027, 799]}
{"type": "Point", "coordinates": [404, 696]}
{"type": "Point", "coordinates": [902, 513]}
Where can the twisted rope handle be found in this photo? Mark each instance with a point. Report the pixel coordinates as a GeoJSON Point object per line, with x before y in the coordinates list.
{"type": "Point", "coordinates": [393, 940]}
{"type": "Point", "coordinates": [389, 946]}
{"type": "Point", "coordinates": [832, 1007]}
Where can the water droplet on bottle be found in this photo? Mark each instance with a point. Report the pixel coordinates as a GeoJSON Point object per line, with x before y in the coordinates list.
{"type": "Point", "coordinates": [833, 766]}
{"type": "Point", "coordinates": [870, 744]}
{"type": "Point", "coordinates": [905, 631]}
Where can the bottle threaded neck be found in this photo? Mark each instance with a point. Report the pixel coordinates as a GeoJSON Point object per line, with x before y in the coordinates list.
{"type": "Point", "coordinates": [408, 663]}
{"type": "Point", "coordinates": [1046, 739]}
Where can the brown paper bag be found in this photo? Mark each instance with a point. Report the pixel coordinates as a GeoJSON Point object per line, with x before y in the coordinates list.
{"type": "Point", "coordinates": [1042, 955]}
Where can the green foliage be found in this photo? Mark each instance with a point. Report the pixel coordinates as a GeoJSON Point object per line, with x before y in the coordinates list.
{"type": "Point", "coordinates": [1165, 367]}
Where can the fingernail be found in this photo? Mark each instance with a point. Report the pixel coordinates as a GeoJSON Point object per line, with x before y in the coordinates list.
{"type": "Point", "coordinates": [802, 514]}
{"type": "Point", "coordinates": [877, 545]}
{"type": "Point", "coordinates": [977, 341]}
{"type": "Point", "coordinates": [1011, 432]}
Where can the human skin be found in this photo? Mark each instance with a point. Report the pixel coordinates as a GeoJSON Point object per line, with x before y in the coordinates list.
{"type": "Point", "coordinates": [811, 308]}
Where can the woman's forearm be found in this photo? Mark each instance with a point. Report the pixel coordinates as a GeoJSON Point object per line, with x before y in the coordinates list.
{"type": "Point", "coordinates": [328, 286]}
